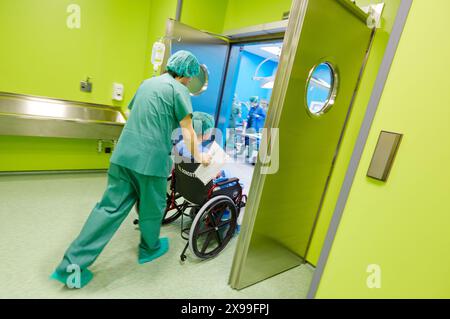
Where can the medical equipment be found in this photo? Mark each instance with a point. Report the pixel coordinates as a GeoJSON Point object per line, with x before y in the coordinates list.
{"type": "Point", "coordinates": [158, 51]}
{"type": "Point", "coordinates": [266, 81]}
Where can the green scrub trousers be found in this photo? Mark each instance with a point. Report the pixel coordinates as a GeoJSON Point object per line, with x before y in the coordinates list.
{"type": "Point", "coordinates": [124, 188]}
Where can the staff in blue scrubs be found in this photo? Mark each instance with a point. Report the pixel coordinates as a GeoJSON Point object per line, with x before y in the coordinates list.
{"type": "Point", "coordinates": [139, 169]}
{"type": "Point", "coordinates": [255, 121]}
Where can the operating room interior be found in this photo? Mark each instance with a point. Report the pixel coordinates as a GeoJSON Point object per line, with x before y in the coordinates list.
{"type": "Point", "coordinates": [285, 88]}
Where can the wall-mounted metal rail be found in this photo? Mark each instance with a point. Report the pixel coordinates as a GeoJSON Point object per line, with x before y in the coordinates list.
{"type": "Point", "coordinates": [22, 115]}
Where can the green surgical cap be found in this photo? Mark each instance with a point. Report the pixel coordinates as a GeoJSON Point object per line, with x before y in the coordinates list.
{"type": "Point", "coordinates": [254, 99]}
{"type": "Point", "coordinates": [184, 64]}
{"type": "Point", "coordinates": [202, 122]}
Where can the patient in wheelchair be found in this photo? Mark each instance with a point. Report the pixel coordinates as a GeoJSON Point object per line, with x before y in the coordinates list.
{"type": "Point", "coordinates": [203, 126]}
{"type": "Point", "coordinates": [209, 212]}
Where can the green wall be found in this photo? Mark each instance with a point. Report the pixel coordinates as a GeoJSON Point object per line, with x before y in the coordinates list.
{"type": "Point", "coordinates": [353, 126]}
{"type": "Point", "coordinates": [41, 56]}
{"type": "Point", "coordinates": [35, 153]}
{"type": "Point", "coordinates": [205, 14]}
{"type": "Point", "coordinates": [403, 225]}
{"type": "Point", "coordinates": [245, 13]}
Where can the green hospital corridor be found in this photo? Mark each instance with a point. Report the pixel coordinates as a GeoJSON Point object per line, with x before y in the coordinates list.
{"type": "Point", "coordinates": [251, 150]}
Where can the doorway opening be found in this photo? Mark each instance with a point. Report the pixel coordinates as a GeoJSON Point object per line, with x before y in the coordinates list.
{"type": "Point", "coordinates": [247, 91]}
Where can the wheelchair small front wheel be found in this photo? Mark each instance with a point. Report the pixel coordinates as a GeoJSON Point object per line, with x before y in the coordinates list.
{"type": "Point", "coordinates": [213, 227]}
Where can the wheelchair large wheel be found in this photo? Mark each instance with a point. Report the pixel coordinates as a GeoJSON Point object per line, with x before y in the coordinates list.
{"type": "Point", "coordinates": [173, 205]}
{"type": "Point", "coordinates": [213, 227]}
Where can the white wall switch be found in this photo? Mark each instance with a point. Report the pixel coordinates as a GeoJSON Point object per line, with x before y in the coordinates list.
{"type": "Point", "coordinates": [118, 91]}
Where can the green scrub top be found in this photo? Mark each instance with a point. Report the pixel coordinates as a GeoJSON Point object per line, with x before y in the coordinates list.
{"type": "Point", "coordinates": [146, 141]}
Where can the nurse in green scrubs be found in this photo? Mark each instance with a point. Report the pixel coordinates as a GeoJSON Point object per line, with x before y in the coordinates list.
{"type": "Point", "coordinates": [139, 168]}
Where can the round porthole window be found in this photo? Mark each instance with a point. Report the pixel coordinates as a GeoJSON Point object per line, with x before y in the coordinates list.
{"type": "Point", "coordinates": [199, 84]}
{"type": "Point", "coordinates": [321, 89]}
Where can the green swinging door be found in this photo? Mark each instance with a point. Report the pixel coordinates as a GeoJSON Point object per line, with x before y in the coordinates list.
{"type": "Point", "coordinates": [283, 207]}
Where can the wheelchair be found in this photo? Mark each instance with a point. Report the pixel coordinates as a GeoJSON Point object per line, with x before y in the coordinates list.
{"type": "Point", "coordinates": [209, 213]}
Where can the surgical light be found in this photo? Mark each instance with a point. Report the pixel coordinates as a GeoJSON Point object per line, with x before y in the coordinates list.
{"type": "Point", "coordinates": [265, 80]}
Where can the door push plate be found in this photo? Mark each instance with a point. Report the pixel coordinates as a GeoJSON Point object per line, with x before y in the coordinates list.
{"type": "Point", "coordinates": [384, 155]}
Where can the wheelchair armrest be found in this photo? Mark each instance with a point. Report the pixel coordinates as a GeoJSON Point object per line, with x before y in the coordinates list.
{"type": "Point", "coordinates": [230, 180]}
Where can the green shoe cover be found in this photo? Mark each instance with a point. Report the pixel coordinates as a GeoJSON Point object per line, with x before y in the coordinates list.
{"type": "Point", "coordinates": [145, 257]}
{"type": "Point", "coordinates": [86, 277]}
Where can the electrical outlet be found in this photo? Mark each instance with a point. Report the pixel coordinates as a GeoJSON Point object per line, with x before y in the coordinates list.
{"type": "Point", "coordinates": [86, 86]}
{"type": "Point", "coordinates": [118, 91]}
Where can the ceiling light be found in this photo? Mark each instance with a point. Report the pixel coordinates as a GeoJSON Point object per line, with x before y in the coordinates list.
{"type": "Point", "coordinates": [273, 50]}
{"type": "Point", "coordinates": [268, 85]}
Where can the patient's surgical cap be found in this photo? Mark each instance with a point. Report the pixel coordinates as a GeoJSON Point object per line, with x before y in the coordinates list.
{"type": "Point", "coordinates": [203, 123]}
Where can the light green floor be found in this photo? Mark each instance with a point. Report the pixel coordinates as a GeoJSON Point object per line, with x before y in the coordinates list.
{"type": "Point", "coordinates": [41, 215]}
